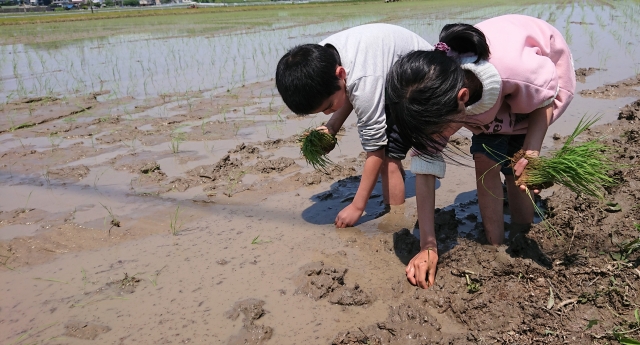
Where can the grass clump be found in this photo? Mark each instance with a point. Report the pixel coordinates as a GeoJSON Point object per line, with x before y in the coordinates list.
{"type": "Point", "coordinates": [315, 145]}
{"type": "Point", "coordinates": [582, 167]}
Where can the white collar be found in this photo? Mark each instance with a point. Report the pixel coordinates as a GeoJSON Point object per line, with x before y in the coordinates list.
{"type": "Point", "coordinates": [491, 84]}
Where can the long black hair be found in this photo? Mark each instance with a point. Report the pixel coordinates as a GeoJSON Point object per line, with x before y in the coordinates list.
{"type": "Point", "coordinates": [422, 88]}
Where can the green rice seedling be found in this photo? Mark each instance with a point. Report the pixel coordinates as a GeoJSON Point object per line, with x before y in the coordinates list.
{"type": "Point", "coordinates": [114, 221]}
{"type": "Point", "coordinates": [46, 176]}
{"type": "Point", "coordinates": [203, 128]}
{"type": "Point", "coordinates": [132, 146]}
{"type": "Point", "coordinates": [6, 260]}
{"type": "Point", "coordinates": [256, 240]}
{"type": "Point", "coordinates": [26, 203]}
{"type": "Point", "coordinates": [625, 340]}
{"type": "Point", "coordinates": [315, 145]}
{"type": "Point", "coordinates": [581, 167]}
{"type": "Point", "coordinates": [472, 284]}
{"type": "Point", "coordinates": [174, 225]}
{"type": "Point", "coordinates": [97, 178]}
{"type": "Point", "coordinates": [626, 249]}
{"type": "Point", "coordinates": [28, 334]}
{"type": "Point", "coordinates": [176, 139]}
{"type": "Point", "coordinates": [55, 140]}
{"type": "Point", "coordinates": [52, 280]}
{"type": "Point", "coordinates": [85, 280]}
{"type": "Point", "coordinates": [154, 281]}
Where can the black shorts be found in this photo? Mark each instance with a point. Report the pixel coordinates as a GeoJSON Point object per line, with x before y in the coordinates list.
{"type": "Point", "coordinates": [396, 147]}
{"type": "Point", "coordinates": [498, 147]}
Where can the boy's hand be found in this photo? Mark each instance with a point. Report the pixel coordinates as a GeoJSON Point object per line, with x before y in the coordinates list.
{"type": "Point", "coordinates": [348, 216]}
{"type": "Point", "coordinates": [421, 270]}
{"type": "Point", "coordinates": [521, 165]}
{"type": "Point", "coordinates": [328, 147]}
{"type": "Point", "coordinates": [325, 129]}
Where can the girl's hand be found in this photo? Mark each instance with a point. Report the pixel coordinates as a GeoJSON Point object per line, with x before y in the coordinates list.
{"type": "Point", "coordinates": [423, 265]}
{"type": "Point", "coordinates": [521, 164]}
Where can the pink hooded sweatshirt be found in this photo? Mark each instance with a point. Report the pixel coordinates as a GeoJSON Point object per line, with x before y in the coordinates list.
{"type": "Point", "coordinates": [530, 67]}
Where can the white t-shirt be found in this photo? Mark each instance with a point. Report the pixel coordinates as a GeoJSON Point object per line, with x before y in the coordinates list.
{"type": "Point", "coordinates": [367, 52]}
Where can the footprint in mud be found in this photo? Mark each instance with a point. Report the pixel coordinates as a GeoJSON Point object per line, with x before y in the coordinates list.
{"type": "Point", "coordinates": [319, 281]}
{"type": "Point", "coordinates": [267, 166]}
{"type": "Point", "coordinates": [84, 330]}
{"type": "Point", "coordinates": [250, 333]}
{"type": "Point", "coordinates": [409, 320]}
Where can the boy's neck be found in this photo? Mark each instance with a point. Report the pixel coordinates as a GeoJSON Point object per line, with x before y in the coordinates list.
{"type": "Point", "coordinates": [474, 85]}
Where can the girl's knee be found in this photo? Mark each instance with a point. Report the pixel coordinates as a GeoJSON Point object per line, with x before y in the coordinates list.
{"type": "Point", "coordinates": [485, 164]}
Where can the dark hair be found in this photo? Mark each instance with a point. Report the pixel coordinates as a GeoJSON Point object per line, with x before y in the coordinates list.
{"type": "Point", "coordinates": [422, 95]}
{"type": "Point", "coordinates": [465, 38]}
{"type": "Point", "coordinates": [306, 77]}
{"type": "Point", "coordinates": [422, 88]}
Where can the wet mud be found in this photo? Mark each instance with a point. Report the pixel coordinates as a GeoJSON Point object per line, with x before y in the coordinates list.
{"type": "Point", "coordinates": [250, 333]}
{"type": "Point", "coordinates": [623, 88]}
{"type": "Point", "coordinates": [318, 281]}
{"type": "Point", "coordinates": [84, 330]}
{"type": "Point", "coordinates": [573, 277]}
{"type": "Point", "coordinates": [583, 73]}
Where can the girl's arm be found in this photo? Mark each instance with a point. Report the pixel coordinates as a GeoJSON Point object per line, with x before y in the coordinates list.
{"type": "Point", "coordinates": [350, 214]}
{"type": "Point", "coordinates": [539, 121]}
{"type": "Point", "coordinates": [421, 270]}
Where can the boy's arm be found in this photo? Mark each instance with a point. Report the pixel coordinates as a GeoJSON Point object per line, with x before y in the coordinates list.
{"type": "Point", "coordinates": [424, 264]}
{"type": "Point", "coordinates": [339, 117]}
{"type": "Point", "coordinates": [350, 214]}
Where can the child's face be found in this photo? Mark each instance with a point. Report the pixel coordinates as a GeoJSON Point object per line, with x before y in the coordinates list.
{"type": "Point", "coordinates": [334, 102]}
{"type": "Point", "coordinates": [337, 100]}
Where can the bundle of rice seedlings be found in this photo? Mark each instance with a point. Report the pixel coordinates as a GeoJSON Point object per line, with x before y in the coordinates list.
{"type": "Point", "coordinates": [582, 167]}
{"type": "Point", "coordinates": [315, 146]}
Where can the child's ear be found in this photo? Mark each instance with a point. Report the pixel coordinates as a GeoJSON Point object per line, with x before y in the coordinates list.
{"type": "Point", "coordinates": [341, 73]}
{"type": "Point", "coordinates": [463, 95]}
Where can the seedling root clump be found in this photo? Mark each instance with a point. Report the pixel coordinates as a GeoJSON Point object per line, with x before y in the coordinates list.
{"type": "Point", "coordinates": [315, 145]}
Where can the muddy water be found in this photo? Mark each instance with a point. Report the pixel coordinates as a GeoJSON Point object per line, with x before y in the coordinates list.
{"type": "Point", "coordinates": [162, 146]}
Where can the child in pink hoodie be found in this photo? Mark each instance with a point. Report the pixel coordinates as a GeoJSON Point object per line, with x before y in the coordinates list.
{"type": "Point", "coordinates": [506, 80]}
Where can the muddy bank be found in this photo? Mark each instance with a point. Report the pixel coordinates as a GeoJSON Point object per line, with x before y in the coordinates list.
{"type": "Point", "coordinates": [573, 278]}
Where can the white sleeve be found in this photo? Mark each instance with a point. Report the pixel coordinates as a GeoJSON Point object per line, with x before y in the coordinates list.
{"type": "Point", "coordinates": [367, 97]}
{"type": "Point", "coordinates": [550, 100]}
{"type": "Point", "coordinates": [425, 165]}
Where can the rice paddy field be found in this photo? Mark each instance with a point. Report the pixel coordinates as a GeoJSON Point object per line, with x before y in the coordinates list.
{"type": "Point", "coordinates": [152, 191]}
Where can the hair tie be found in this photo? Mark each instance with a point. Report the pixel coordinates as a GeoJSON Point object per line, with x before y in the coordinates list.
{"type": "Point", "coordinates": [442, 47]}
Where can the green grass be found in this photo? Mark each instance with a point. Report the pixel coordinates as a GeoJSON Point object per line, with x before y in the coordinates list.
{"type": "Point", "coordinates": [314, 146]}
{"type": "Point", "coordinates": [582, 167]}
